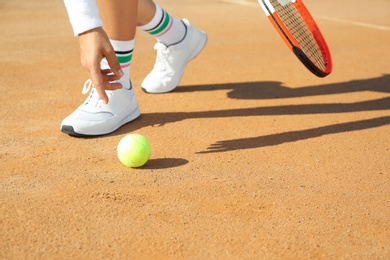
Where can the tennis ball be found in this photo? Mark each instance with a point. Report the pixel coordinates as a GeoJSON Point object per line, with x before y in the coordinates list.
{"type": "Point", "coordinates": [133, 150]}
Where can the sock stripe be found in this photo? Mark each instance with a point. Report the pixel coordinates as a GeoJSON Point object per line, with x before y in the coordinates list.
{"type": "Point", "coordinates": [123, 52]}
{"type": "Point", "coordinates": [124, 59]}
{"type": "Point", "coordinates": [159, 23]}
{"type": "Point", "coordinates": [166, 22]}
{"type": "Point", "coordinates": [168, 28]}
{"type": "Point", "coordinates": [123, 65]}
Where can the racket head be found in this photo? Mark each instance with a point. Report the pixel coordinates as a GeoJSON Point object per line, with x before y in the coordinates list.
{"type": "Point", "coordinates": [301, 34]}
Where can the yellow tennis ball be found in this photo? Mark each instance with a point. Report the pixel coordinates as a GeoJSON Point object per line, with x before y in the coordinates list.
{"type": "Point", "coordinates": [133, 150]}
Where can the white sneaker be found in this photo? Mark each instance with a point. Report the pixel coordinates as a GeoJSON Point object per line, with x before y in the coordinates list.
{"type": "Point", "coordinates": [171, 60]}
{"type": "Point", "coordinates": [93, 117]}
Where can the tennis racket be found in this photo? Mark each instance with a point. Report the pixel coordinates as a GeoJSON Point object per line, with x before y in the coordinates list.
{"type": "Point", "coordinates": [299, 31]}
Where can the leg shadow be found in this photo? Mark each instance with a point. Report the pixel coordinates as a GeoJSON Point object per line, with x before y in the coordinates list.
{"type": "Point", "coordinates": [293, 136]}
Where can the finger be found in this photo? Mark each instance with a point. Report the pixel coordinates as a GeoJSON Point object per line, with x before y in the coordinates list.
{"type": "Point", "coordinates": [109, 76]}
{"type": "Point", "coordinates": [113, 62]}
{"type": "Point", "coordinates": [112, 86]}
{"type": "Point", "coordinates": [106, 71]}
{"type": "Point", "coordinates": [109, 80]}
{"type": "Point", "coordinates": [97, 81]}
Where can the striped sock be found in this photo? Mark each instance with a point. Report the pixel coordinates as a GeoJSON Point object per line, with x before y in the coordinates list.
{"type": "Point", "coordinates": [124, 54]}
{"type": "Point", "coordinates": [165, 28]}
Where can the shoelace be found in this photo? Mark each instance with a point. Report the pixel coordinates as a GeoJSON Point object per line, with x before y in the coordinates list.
{"type": "Point", "coordinates": [162, 53]}
{"type": "Point", "coordinates": [87, 86]}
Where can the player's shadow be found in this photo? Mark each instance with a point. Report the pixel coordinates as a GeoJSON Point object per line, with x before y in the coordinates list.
{"type": "Point", "coordinates": [274, 90]}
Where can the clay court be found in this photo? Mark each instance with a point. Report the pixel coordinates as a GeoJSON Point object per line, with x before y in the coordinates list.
{"type": "Point", "coordinates": [253, 157]}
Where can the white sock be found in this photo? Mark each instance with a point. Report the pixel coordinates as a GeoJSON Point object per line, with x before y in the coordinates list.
{"type": "Point", "coordinates": [165, 28]}
{"type": "Point", "coordinates": [124, 53]}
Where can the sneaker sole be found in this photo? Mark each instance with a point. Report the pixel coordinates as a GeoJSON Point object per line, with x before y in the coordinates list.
{"type": "Point", "coordinates": [193, 55]}
{"type": "Point", "coordinates": [68, 129]}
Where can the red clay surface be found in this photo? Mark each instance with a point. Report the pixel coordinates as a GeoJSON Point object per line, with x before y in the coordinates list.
{"type": "Point", "coordinates": [252, 156]}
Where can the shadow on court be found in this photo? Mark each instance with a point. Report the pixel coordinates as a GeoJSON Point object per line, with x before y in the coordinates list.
{"type": "Point", "coordinates": [288, 137]}
{"type": "Point", "coordinates": [163, 163]}
{"type": "Point", "coordinates": [274, 90]}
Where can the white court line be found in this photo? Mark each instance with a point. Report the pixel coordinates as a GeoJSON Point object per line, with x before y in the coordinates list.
{"type": "Point", "coordinates": [241, 2]}
{"type": "Point", "coordinates": [323, 17]}
{"type": "Point", "coordinates": [367, 25]}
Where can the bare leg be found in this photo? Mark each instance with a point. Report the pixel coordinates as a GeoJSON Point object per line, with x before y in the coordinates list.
{"type": "Point", "coordinates": [119, 18]}
{"type": "Point", "coordinates": [146, 11]}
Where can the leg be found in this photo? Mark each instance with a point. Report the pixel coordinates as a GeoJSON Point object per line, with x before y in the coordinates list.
{"type": "Point", "coordinates": [146, 12]}
{"type": "Point", "coordinates": [178, 42]}
{"type": "Point", "coordinates": [119, 18]}
{"type": "Point", "coordinates": [93, 117]}
{"type": "Point", "coordinates": [119, 21]}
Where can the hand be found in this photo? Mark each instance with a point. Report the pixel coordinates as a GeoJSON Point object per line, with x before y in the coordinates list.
{"type": "Point", "coordinates": [94, 46]}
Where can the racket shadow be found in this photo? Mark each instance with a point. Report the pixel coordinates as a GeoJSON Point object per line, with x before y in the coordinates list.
{"type": "Point", "coordinates": [293, 136]}
{"type": "Point", "coordinates": [273, 89]}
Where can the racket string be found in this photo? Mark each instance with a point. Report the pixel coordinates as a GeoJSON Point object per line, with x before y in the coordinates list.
{"type": "Point", "coordinates": [294, 22]}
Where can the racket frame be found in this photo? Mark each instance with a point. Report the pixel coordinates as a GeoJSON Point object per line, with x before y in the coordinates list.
{"type": "Point", "coordinates": [292, 43]}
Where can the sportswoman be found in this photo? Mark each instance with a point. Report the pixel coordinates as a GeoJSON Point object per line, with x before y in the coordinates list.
{"type": "Point", "coordinates": [106, 31]}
